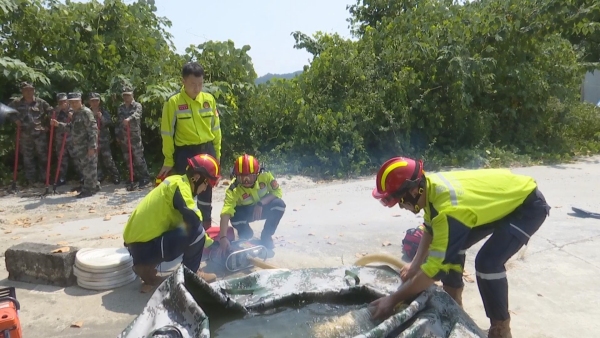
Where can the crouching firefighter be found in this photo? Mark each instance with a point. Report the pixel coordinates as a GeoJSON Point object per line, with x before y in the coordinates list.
{"type": "Point", "coordinates": [167, 222]}
{"type": "Point", "coordinates": [462, 208]}
{"type": "Point", "coordinates": [253, 195]}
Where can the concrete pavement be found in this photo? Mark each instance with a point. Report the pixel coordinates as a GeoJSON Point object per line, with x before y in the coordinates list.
{"type": "Point", "coordinates": [553, 289]}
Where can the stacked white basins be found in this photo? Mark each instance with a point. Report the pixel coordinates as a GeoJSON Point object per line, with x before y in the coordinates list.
{"type": "Point", "coordinates": [103, 269]}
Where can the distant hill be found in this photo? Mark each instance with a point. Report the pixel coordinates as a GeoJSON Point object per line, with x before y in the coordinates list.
{"type": "Point", "coordinates": [269, 76]}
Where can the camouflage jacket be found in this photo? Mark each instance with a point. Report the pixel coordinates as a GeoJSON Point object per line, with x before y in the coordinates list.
{"type": "Point", "coordinates": [34, 116]}
{"type": "Point", "coordinates": [105, 123]}
{"type": "Point", "coordinates": [135, 112]}
{"type": "Point", "coordinates": [62, 116]}
{"type": "Point", "coordinates": [83, 129]}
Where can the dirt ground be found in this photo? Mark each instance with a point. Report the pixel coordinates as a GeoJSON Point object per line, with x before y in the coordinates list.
{"type": "Point", "coordinates": [24, 209]}
{"type": "Point", "coordinates": [553, 288]}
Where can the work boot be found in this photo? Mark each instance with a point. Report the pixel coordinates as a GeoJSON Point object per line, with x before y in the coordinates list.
{"type": "Point", "coordinates": [455, 293]}
{"type": "Point", "coordinates": [143, 183]}
{"type": "Point", "coordinates": [85, 193]}
{"type": "Point", "coordinates": [499, 329]}
{"type": "Point", "coordinates": [267, 242]}
{"type": "Point", "coordinates": [208, 277]}
{"type": "Point", "coordinates": [148, 274]}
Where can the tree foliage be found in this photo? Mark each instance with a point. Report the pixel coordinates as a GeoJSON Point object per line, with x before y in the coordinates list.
{"type": "Point", "coordinates": [452, 83]}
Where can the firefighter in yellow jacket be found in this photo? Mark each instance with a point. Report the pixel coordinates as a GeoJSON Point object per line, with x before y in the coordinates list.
{"type": "Point", "coordinates": [253, 195]}
{"type": "Point", "coordinates": [167, 222]}
{"type": "Point", "coordinates": [190, 126]}
{"type": "Point", "coordinates": [462, 208]}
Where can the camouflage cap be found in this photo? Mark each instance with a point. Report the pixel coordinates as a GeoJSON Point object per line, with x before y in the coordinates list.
{"type": "Point", "coordinates": [94, 96]}
{"type": "Point", "coordinates": [74, 96]}
{"type": "Point", "coordinates": [127, 90]}
{"type": "Point", "coordinates": [61, 96]}
{"type": "Point", "coordinates": [26, 84]}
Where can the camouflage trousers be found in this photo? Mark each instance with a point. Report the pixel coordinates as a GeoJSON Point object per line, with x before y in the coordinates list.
{"type": "Point", "coordinates": [66, 156]}
{"type": "Point", "coordinates": [140, 168]}
{"type": "Point", "coordinates": [88, 165]}
{"type": "Point", "coordinates": [108, 162]}
{"type": "Point", "coordinates": [31, 145]}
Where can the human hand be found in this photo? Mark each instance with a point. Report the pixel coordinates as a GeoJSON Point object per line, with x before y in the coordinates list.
{"type": "Point", "coordinates": [223, 246]}
{"type": "Point", "coordinates": [382, 308]}
{"type": "Point", "coordinates": [257, 212]}
{"type": "Point", "coordinates": [164, 171]}
{"type": "Point", "coordinates": [408, 271]}
{"type": "Point", "coordinates": [126, 122]}
{"type": "Point", "coordinates": [53, 122]}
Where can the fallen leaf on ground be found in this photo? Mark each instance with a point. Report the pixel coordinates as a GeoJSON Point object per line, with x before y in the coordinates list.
{"type": "Point", "coordinates": [60, 216]}
{"type": "Point", "coordinates": [103, 197]}
{"type": "Point", "coordinates": [146, 288]}
{"type": "Point", "coordinates": [311, 234]}
{"type": "Point", "coordinates": [84, 228]}
{"type": "Point", "coordinates": [558, 206]}
{"type": "Point", "coordinates": [397, 215]}
{"type": "Point", "coordinates": [107, 217]}
{"type": "Point", "coordinates": [540, 295]}
{"type": "Point", "coordinates": [70, 206]}
{"type": "Point", "coordinates": [341, 235]}
{"type": "Point", "coordinates": [386, 243]}
{"type": "Point", "coordinates": [363, 223]}
{"type": "Point", "coordinates": [340, 202]}
{"type": "Point", "coordinates": [1, 210]}
{"type": "Point", "coordinates": [331, 243]}
{"type": "Point", "coordinates": [326, 237]}
{"type": "Point", "coordinates": [63, 243]}
{"type": "Point", "coordinates": [77, 325]}
{"type": "Point", "coordinates": [124, 212]}
{"type": "Point", "coordinates": [40, 219]}
{"type": "Point", "coordinates": [360, 254]}
{"type": "Point", "coordinates": [109, 236]}
{"type": "Point", "coordinates": [15, 238]}
{"type": "Point", "coordinates": [296, 209]}
{"type": "Point", "coordinates": [92, 211]}
{"type": "Point", "coordinates": [8, 232]}
{"type": "Point", "coordinates": [61, 249]}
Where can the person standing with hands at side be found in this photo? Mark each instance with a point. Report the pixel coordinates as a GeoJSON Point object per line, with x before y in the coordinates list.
{"type": "Point", "coordinates": [84, 132]}
{"type": "Point", "coordinates": [130, 114]}
{"type": "Point", "coordinates": [104, 120]}
{"type": "Point", "coordinates": [190, 126]}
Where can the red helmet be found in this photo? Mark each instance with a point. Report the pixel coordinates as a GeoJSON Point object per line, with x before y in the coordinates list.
{"type": "Point", "coordinates": [246, 165]}
{"type": "Point", "coordinates": [206, 166]}
{"type": "Point", "coordinates": [395, 178]}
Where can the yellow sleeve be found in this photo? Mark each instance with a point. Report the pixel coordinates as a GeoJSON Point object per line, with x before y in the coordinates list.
{"type": "Point", "coordinates": [273, 186]}
{"type": "Point", "coordinates": [216, 130]}
{"type": "Point", "coordinates": [167, 131]}
{"type": "Point", "coordinates": [442, 252]}
{"type": "Point", "coordinates": [230, 201]}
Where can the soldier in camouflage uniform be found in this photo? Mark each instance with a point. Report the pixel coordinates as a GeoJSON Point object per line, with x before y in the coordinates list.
{"type": "Point", "coordinates": [104, 120]}
{"type": "Point", "coordinates": [33, 117]}
{"type": "Point", "coordinates": [63, 113]}
{"type": "Point", "coordinates": [130, 113]}
{"type": "Point", "coordinates": [84, 133]}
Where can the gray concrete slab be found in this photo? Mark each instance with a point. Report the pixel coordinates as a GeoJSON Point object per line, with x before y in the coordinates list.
{"type": "Point", "coordinates": [553, 288]}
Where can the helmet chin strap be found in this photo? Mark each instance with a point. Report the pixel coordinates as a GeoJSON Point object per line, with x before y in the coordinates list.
{"type": "Point", "coordinates": [414, 200]}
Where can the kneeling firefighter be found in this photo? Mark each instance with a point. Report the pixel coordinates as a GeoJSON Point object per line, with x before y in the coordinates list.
{"type": "Point", "coordinates": [462, 208]}
{"type": "Point", "coordinates": [253, 195]}
{"type": "Point", "coordinates": [168, 223]}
